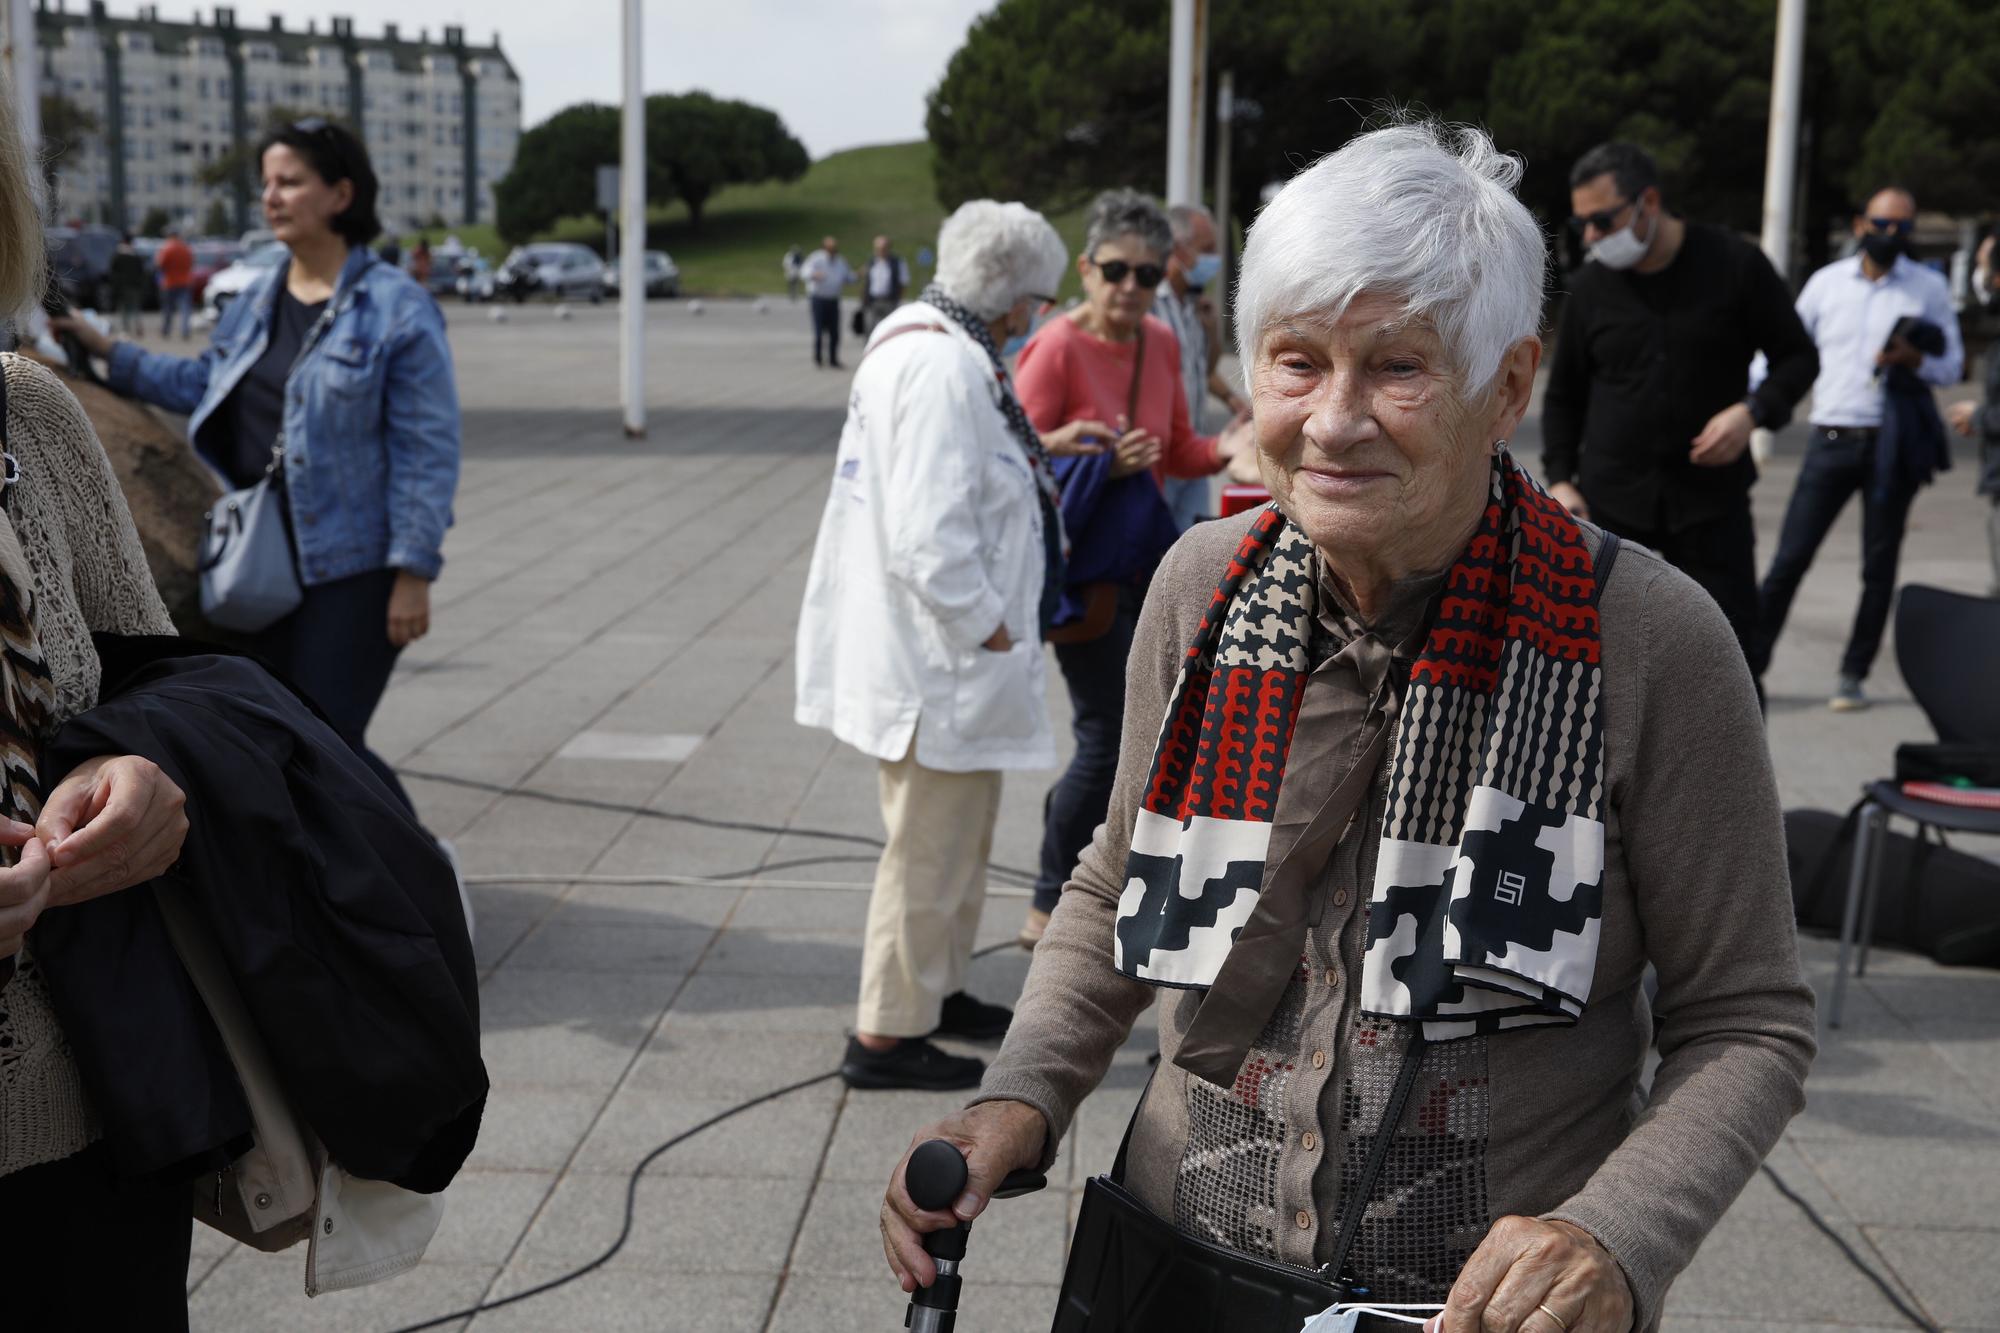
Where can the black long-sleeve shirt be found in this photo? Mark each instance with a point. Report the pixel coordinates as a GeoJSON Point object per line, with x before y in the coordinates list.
{"type": "Point", "coordinates": [1642, 362]}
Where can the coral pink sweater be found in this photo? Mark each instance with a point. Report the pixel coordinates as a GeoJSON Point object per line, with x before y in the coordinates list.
{"type": "Point", "coordinates": [1065, 374]}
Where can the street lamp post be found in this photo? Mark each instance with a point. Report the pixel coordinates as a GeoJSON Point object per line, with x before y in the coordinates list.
{"type": "Point", "coordinates": [1781, 157]}
{"type": "Point", "coordinates": [1187, 79]}
{"type": "Point", "coordinates": [632, 253]}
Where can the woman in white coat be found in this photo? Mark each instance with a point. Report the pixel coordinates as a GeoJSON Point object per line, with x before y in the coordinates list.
{"type": "Point", "coordinates": [920, 642]}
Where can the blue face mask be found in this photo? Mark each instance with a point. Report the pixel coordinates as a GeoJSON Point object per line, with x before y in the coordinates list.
{"type": "Point", "coordinates": [1206, 269]}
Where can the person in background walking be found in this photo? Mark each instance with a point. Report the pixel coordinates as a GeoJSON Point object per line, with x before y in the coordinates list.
{"type": "Point", "coordinates": [1109, 361]}
{"type": "Point", "coordinates": [1193, 266]}
{"type": "Point", "coordinates": [825, 274]}
{"type": "Point", "coordinates": [420, 262]}
{"type": "Point", "coordinates": [1645, 419]}
{"type": "Point", "coordinates": [128, 285]}
{"type": "Point", "coordinates": [340, 361]}
{"type": "Point", "coordinates": [1852, 308]}
{"type": "Point", "coordinates": [175, 265]}
{"type": "Point", "coordinates": [920, 641]}
{"type": "Point", "coordinates": [794, 259]}
{"type": "Point", "coordinates": [887, 276]}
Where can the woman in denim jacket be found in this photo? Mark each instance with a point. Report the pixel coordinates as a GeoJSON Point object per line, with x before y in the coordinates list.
{"type": "Point", "coordinates": [338, 361]}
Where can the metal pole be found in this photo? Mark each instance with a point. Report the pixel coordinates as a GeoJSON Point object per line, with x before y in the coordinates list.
{"type": "Point", "coordinates": [1225, 134]}
{"type": "Point", "coordinates": [24, 68]}
{"type": "Point", "coordinates": [1180, 93]}
{"type": "Point", "coordinates": [1198, 105]}
{"type": "Point", "coordinates": [632, 258]}
{"type": "Point", "coordinates": [1781, 151]}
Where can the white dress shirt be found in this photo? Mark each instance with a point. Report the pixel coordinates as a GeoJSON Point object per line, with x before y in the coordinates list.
{"type": "Point", "coordinates": [883, 276]}
{"type": "Point", "coordinates": [825, 274]}
{"type": "Point", "coordinates": [1849, 316]}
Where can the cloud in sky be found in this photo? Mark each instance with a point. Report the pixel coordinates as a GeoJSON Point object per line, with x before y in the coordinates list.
{"type": "Point", "coordinates": [841, 72]}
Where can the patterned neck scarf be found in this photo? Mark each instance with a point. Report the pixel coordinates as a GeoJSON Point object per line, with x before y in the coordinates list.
{"type": "Point", "coordinates": [1055, 544]}
{"type": "Point", "coordinates": [1488, 892]}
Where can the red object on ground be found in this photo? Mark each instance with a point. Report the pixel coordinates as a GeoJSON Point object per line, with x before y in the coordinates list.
{"type": "Point", "coordinates": [1236, 499]}
{"type": "Point", "coordinates": [1975, 798]}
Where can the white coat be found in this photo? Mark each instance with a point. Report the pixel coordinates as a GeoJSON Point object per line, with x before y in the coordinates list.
{"type": "Point", "coordinates": [931, 541]}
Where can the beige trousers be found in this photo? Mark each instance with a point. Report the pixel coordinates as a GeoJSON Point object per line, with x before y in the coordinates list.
{"type": "Point", "coordinates": [929, 889]}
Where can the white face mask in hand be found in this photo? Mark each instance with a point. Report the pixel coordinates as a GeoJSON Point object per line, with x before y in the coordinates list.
{"type": "Point", "coordinates": [1344, 1318]}
{"type": "Point", "coordinates": [1623, 248]}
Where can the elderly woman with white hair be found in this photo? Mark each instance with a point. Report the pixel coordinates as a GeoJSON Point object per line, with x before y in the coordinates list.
{"type": "Point", "coordinates": [938, 567]}
{"type": "Point", "coordinates": [1423, 774]}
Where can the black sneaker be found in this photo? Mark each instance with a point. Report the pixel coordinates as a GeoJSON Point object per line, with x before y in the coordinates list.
{"type": "Point", "coordinates": [910, 1063]}
{"type": "Point", "coordinates": [972, 1019]}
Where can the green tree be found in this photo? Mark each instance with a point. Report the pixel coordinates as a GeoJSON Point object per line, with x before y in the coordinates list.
{"type": "Point", "coordinates": [155, 222]}
{"type": "Point", "coordinates": [65, 127]}
{"type": "Point", "coordinates": [215, 222]}
{"type": "Point", "coordinates": [696, 144]}
{"type": "Point", "coordinates": [555, 170]}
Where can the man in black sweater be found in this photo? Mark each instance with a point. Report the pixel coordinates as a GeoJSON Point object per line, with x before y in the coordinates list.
{"type": "Point", "coordinates": [1647, 414]}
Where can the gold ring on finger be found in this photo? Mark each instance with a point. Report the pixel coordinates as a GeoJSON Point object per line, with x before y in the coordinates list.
{"type": "Point", "coordinates": [1561, 1323]}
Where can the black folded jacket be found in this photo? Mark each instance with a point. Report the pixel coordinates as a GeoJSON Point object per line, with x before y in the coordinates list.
{"type": "Point", "coordinates": [337, 914]}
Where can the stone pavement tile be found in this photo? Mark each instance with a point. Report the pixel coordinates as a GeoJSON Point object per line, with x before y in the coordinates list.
{"type": "Point", "coordinates": [1952, 1271]}
{"type": "Point", "coordinates": [253, 1293]}
{"type": "Point", "coordinates": [201, 1266]}
{"type": "Point", "coordinates": [1710, 1324]}
{"type": "Point", "coordinates": [532, 1128]}
{"type": "Point", "coordinates": [806, 909]}
{"type": "Point", "coordinates": [680, 1224]}
{"type": "Point", "coordinates": [485, 1213]}
{"type": "Point", "coordinates": [1014, 1240]}
{"type": "Point", "coordinates": [567, 1028]}
{"type": "Point", "coordinates": [1970, 1045]}
{"type": "Point", "coordinates": [653, 904]}
{"type": "Point", "coordinates": [628, 1301]}
{"type": "Point", "coordinates": [847, 1305]}
{"type": "Point", "coordinates": [725, 1002]}
{"type": "Point", "coordinates": [497, 933]}
{"type": "Point", "coordinates": [1931, 1183]}
{"type": "Point", "coordinates": [654, 846]}
{"type": "Point", "coordinates": [829, 953]}
{"type": "Point", "coordinates": [681, 1062]}
{"type": "Point", "coordinates": [1937, 992]}
{"type": "Point", "coordinates": [1883, 1080]}
{"type": "Point", "coordinates": [874, 1131]}
{"type": "Point", "coordinates": [783, 1138]}
{"type": "Point", "coordinates": [1769, 1268]}
{"type": "Point", "coordinates": [587, 942]}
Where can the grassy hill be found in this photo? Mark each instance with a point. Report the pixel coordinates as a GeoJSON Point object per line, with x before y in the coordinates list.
{"type": "Point", "coordinates": [855, 196]}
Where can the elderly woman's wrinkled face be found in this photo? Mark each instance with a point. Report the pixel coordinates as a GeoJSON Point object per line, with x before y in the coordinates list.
{"type": "Point", "coordinates": [1114, 283]}
{"type": "Point", "coordinates": [1363, 437]}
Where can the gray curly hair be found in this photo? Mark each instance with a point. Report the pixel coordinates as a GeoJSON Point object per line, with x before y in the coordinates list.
{"type": "Point", "coordinates": [1118, 213]}
{"type": "Point", "coordinates": [990, 255]}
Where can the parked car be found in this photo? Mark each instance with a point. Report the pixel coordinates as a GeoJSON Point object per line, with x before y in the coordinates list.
{"type": "Point", "coordinates": [552, 268]}
{"type": "Point", "coordinates": [475, 279]}
{"type": "Point", "coordinates": [80, 262]}
{"type": "Point", "coordinates": [663, 276]}
{"type": "Point", "coordinates": [210, 258]}
{"type": "Point", "coordinates": [229, 283]}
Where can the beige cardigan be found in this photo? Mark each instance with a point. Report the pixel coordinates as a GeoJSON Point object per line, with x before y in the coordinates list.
{"type": "Point", "coordinates": [90, 574]}
{"type": "Point", "coordinates": [1545, 1122]}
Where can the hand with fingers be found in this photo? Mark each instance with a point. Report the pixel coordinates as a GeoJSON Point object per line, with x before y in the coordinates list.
{"type": "Point", "coordinates": [24, 886]}
{"type": "Point", "coordinates": [1532, 1276]}
{"type": "Point", "coordinates": [114, 822]}
{"type": "Point", "coordinates": [1077, 438]}
{"type": "Point", "coordinates": [996, 1138]}
{"type": "Point", "coordinates": [1134, 452]}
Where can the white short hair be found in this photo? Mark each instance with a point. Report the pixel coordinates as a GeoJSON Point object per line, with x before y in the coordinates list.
{"type": "Point", "coordinates": [990, 255]}
{"type": "Point", "coordinates": [1420, 211]}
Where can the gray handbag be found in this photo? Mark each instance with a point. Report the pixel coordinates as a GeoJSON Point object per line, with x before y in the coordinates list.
{"type": "Point", "coordinates": [249, 577]}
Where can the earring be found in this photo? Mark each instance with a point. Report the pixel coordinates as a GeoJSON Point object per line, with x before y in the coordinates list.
{"type": "Point", "coordinates": [1499, 447]}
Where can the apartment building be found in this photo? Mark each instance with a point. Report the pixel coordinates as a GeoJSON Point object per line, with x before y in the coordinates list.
{"type": "Point", "coordinates": [441, 117]}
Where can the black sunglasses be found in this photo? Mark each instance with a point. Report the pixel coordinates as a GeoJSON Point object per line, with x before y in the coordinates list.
{"type": "Point", "coordinates": [311, 125]}
{"type": "Point", "coordinates": [1603, 220]}
{"type": "Point", "coordinates": [1897, 226]}
{"type": "Point", "coordinates": [1115, 271]}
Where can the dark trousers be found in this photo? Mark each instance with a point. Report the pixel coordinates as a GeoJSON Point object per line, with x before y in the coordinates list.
{"type": "Point", "coordinates": [1839, 463]}
{"type": "Point", "coordinates": [336, 649]}
{"type": "Point", "coordinates": [826, 324]}
{"type": "Point", "coordinates": [1718, 553]}
{"type": "Point", "coordinates": [1076, 805]}
{"type": "Point", "coordinates": [86, 1249]}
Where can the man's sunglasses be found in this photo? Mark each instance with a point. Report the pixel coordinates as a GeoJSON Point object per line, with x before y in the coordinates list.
{"type": "Point", "coordinates": [1604, 220]}
{"type": "Point", "coordinates": [1888, 226]}
{"type": "Point", "coordinates": [1115, 271]}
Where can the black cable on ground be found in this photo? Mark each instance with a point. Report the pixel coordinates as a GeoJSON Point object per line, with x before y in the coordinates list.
{"type": "Point", "coordinates": [673, 817]}
{"type": "Point", "coordinates": [632, 1191]}
{"type": "Point", "coordinates": [1862, 1265]}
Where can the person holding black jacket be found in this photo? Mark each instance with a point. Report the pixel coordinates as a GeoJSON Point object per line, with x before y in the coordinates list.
{"type": "Point", "coordinates": [1646, 418]}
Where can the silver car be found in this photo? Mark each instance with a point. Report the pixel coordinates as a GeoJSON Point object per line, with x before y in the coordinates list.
{"type": "Point", "coordinates": [551, 268]}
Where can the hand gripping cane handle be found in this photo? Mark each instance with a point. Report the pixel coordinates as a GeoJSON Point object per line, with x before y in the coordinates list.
{"type": "Point", "coordinates": [935, 1177]}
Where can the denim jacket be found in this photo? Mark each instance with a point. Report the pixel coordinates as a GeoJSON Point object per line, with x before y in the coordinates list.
{"type": "Point", "coordinates": [371, 417]}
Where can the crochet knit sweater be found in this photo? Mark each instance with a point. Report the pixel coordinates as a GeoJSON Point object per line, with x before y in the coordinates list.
{"type": "Point", "coordinates": [90, 574]}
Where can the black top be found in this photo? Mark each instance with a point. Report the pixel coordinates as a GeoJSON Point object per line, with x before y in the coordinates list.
{"type": "Point", "coordinates": [1643, 360]}
{"type": "Point", "coordinates": [255, 410]}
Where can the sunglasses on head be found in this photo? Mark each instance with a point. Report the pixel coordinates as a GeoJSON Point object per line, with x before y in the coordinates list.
{"type": "Point", "coordinates": [1115, 271]}
{"type": "Point", "coordinates": [1604, 219]}
{"type": "Point", "coordinates": [1899, 226]}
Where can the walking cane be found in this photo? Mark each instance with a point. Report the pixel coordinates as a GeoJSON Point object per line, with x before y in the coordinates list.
{"type": "Point", "coordinates": [936, 1176]}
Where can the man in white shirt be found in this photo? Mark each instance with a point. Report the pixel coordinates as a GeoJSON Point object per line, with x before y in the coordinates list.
{"type": "Point", "coordinates": [1193, 265]}
{"type": "Point", "coordinates": [885, 281]}
{"type": "Point", "coordinates": [1850, 308]}
{"type": "Point", "coordinates": [825, 273]}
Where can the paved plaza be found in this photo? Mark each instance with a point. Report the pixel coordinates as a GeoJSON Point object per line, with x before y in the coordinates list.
{"type": "Point", "coordinates": [604, 710]}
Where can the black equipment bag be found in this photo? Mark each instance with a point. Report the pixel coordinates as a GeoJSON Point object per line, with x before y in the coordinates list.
{"type": "Point", "coordinates": [1930, 897]}
{"type": "Point", "coordinates": [1935, 761]}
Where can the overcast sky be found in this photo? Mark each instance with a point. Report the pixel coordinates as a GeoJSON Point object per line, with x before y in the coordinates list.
{"type": "Point", "coordinates": [841, 72]}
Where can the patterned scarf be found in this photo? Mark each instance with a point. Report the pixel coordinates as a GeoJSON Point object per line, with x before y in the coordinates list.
{"type": "Point", "coordinates": [1488, 892]}
{"type": "Point", "coordinates": [1055, 543]}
